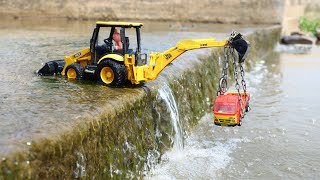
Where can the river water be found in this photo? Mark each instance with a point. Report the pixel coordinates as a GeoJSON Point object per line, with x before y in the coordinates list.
{"type": "Point", "coordinates": [34, 107]}
{"type": "Point", "coordinates": [278, 138]}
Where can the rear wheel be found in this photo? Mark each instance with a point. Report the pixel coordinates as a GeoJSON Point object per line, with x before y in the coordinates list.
{"type": "Point", "coordinates": [111, 73]}
{"type": "Point", "coordinates": [74, 71]}
{"type": "Point", "coordinates": [240, 123]}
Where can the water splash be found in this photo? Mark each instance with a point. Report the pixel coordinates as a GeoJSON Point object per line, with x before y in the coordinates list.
{"type": "Point", "coordinates": [152, 160]}
{"type": "Point", "coordinates": [165, 94]}
{"type": "Point", "coordinates": [80, 169]}
{"type": "Point", "coordinates": [206, 154]}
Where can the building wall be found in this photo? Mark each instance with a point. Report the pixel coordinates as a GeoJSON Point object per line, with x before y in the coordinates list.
{"type": "Point", "coordinates": [294, 9]}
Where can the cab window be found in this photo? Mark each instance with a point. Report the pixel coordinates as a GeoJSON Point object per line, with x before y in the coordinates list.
{"type": "Point", "coordinates": [104, 33]}
{"type": "Point", "coordinates": [225, 108]}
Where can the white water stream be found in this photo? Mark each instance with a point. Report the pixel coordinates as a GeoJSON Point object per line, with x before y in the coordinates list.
{"type": "Point", "coordinates": [165, 93]}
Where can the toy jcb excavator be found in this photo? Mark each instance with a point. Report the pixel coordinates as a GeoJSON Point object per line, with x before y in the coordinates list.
{"type": "Point", "coordinates": [115, 65]}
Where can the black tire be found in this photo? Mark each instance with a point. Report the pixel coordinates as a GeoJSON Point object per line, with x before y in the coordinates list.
{"type": "Point", "coordinates": [240, 123]}
{"type": "Point", "coordinates": [119, 73]}
{"type": "Point", "coordinates": [79, 71]}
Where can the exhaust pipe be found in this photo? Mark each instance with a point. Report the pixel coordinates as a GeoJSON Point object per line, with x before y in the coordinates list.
{"type": "Point", "coordinates": [242, 46]}
{"type": "Point", "coordinates": [51, 68]}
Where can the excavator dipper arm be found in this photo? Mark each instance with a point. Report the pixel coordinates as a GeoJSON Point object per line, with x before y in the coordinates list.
{"type": "Point", "coordinates": [158, 61]}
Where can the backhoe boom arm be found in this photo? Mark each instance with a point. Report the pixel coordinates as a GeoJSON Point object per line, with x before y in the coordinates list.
{"type": "Point", "coordinates": [159, 61]}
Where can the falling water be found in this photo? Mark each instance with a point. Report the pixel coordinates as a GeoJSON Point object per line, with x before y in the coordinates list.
{"type": "Point", "coordinates": [165, 94]}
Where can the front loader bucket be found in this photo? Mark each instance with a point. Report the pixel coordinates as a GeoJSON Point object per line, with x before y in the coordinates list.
{"type": "Point", "coordinates": [51, 68]}
{"type": "Point", "coordinates": [242, 47]}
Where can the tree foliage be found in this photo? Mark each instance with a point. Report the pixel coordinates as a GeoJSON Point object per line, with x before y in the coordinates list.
{"type": "Point", "coordinates": [309, 25]}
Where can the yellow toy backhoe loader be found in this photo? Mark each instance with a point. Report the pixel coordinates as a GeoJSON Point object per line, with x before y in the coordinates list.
{"type": "Point", "coordinates": [115, 65]}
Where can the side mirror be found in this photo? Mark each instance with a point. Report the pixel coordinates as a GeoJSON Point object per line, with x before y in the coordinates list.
{"type": "Point", "coordinates": [242, 46]}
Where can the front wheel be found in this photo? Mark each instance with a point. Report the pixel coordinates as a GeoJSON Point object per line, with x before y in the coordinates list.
{"type": "Point", "coordinates": [111, 73]}
{"type": "Point", "coordinates": [74, 71]}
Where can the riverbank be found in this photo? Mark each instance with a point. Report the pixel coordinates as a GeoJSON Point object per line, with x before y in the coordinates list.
{"type": "Point", "coordinates": [218, 11]}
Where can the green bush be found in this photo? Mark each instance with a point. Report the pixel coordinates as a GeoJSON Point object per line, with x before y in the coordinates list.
{"type": "Point", "coordinates": [309, 25]}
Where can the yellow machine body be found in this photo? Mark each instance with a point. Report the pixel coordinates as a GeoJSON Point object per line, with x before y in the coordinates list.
{"type": "Point", "coordinates": [83, 57]}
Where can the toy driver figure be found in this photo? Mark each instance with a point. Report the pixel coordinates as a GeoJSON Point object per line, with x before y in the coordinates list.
{"type": "Point", "coordinates": [117, 39]}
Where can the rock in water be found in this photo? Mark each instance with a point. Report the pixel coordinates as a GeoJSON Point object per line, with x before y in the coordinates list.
{"type": "Point", "coordinates": [296, 39]}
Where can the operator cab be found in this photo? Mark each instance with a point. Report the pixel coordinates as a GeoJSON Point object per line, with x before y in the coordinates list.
{"type": "Point", "coordinates": [113, 38]}
{"type": "Point", "coordinates": [110, 41]}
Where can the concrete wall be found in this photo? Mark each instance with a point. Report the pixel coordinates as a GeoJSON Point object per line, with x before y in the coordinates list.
{"type": "Point", "coordinates": [294, 9]}
{"type": "Point", "coordinates": [223, 11]}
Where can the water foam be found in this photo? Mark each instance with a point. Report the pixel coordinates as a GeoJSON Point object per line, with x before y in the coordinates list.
{"type": "Point", "coordinates": [199, 159]}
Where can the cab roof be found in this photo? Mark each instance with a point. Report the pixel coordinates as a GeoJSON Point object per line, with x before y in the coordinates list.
{"type": "Point", "coordinates": [228, 99]}
{"type": "Point", "coordinates": [119, 24]}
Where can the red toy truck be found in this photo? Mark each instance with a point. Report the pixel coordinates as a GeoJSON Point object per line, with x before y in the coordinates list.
{"type": "Point", "coordinates": [227, 109]}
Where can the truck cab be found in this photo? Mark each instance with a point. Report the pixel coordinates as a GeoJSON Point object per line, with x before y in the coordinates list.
{"type": "Point", "coordinates": [227, 111]}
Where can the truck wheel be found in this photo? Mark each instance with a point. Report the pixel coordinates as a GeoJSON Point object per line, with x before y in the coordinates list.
{"type": "Point", "coordinates": [74, 71]}
{"type": "Point", "coordinates": [111, 73]}
{"type": "Point", "coordinates": [240, 123]}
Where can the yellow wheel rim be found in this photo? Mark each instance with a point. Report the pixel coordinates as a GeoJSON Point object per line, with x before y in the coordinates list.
{"type": "Point", "coordinates": [72, 74]}
{"type": "Point", "coordinates": [107, 75]}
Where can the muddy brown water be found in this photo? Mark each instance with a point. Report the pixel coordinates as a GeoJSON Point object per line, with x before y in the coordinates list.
{"type": "Point", "coordinates": [32, 107]}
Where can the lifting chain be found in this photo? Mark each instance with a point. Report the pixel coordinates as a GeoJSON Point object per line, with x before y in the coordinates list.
{"type": "Point", "coordinates": [223, 83]}
{"type": "Point", "coordinates": [237, 84]}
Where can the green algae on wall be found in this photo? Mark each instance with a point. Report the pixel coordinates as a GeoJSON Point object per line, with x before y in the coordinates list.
{"type": "Point", "coordinates": [125, 140]}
